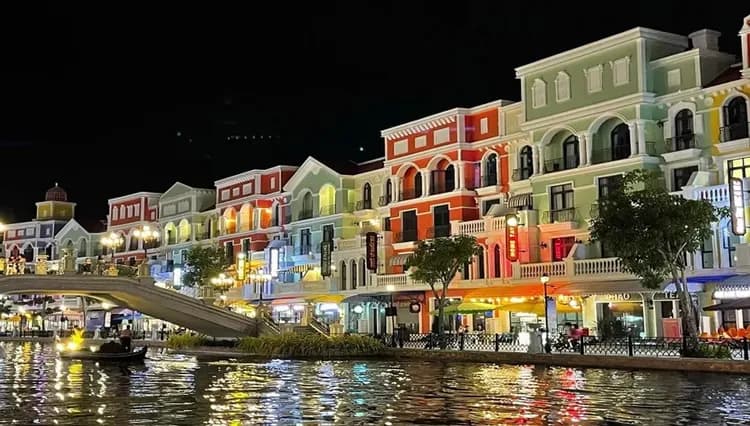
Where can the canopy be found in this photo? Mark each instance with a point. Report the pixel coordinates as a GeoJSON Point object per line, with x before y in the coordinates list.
{"type": "Point", "coordinates": [363, 298]}
{"type": "Point", "coordinates": [730, 305]}
{"type": "Point", "coordinates": [400, 259]}
{"type": "Point", "coordinates": [467, 308]}
{"type": "Point", "coordinates": [325, 298]}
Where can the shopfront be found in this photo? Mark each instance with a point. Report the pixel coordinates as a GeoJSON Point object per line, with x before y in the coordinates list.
{"type": "Point", "coordinates": [619, 315]}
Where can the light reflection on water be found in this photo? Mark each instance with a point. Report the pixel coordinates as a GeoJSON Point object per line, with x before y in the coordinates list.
{"type": "Point", "coordinates": [37, 388]}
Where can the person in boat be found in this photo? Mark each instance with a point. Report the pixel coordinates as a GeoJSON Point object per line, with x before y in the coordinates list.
{"type": "Point", "coordinates": [125, 338]}
{"type": "Point", "coordinates": [111, 347]}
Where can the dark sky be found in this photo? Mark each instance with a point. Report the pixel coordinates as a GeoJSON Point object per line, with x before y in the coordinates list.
{"type": "Point", "coordinates": [94, 97]}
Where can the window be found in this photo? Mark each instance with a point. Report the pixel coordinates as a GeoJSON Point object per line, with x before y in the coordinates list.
{"type": "Point", "coordinates": [738, 168]}
{"type": "Point", "coordinates": [562, 86]}
{"type": "Point", "coordinates": [730, 242]}
{"type": "Point", "coordinates": [609, 184]}
{"type": "Point", "coordinates": [707, 254]}
{"type": "Point", "coordinates": [620, 142]}
{"type": "Point", "coordinates": [229, 251]}
{"type": "Point", "coordinates": [488, 205]}
{"type": "Point", "coordinates": [450, 178]}
{"type": "Point", "coordinates": [561, 203]}
{"type": "Point", "coordinates": [235, 192]}
{"type": "Point", "coordinates": [490, 170]}
{"type": "Point", "coordinates": [307, 206]}
{"type": "Point", "coordinates": [367, 196]}
{"type": "Point", "coordinates": [247, 189]}
{"type": "Point", "coordinates": [735, 120]}
{"type": "Point", "coordinates": [224, 194]}
{"type": "Point", "coordinates": [683, 130]}
{"type": "Point", "coordinates": [538, 93]}
{"type": "Point", "coordinates": [388, 191]}
{"type": "Point", "coordinates": [305, 243]}
{"type": "Point", "coordinates": [122, 212]}
{"type": "Point", "coordinates": [129, 210]}
{"type": "Point", "coordinates": [681, 176]}
{"type": "Point", "coordinates": [327, 232]}
{"type": "Point", "coordinates": [480, 262]}
{"type": "Point", "coordinates": [115, 214]}
{"type": "Point", "coordinates": [571, 157]}
{"type": "Point", "coordinates": [409, 225]}
{"type": "Point", "coordinates": [401, 147]}
{"type": "Point", "coordinates": [496, 261]}
{"type": "Point", "coordinates": [621, 71]}
{"type": "Point", "coordinates": [137, 210]}
{"type": "Point", "coordinates": [441, 221]}
{"type": "Point", "coordinates": [484, 125]}
{"type": "Point", "coordinates": [442, 136]}
{"type": "Point", "coordinates": [342, 268]}
{"type": "Point", "coordinates": [273, 182]}
{"type": "Point", "coordinates": [673, 78]}
{"type": "Point", "coordinates": [594, 79]}
{"type": "Point", "coordinates": [246, 246]}
{"type": "Point", "coordinates": [417, 185]}
{"type": "Point", "coordinates": [561, 247]}
{"type": "Point", "coordinates": [420, 141]}
{"type": "Point", "coordinates": [526, 163]}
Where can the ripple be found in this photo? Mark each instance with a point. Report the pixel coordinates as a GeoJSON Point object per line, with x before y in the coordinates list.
{"type": "Point", "coordinates": [173, 389]}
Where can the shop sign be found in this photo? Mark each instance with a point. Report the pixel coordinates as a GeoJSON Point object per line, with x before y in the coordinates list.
{"type": "Point", "coordinates": [511, 241]}
{"type": "Point", "coordinates": [371, 244]}
{"type": "Point", "coordinates": [325, 258]}
{"type": "Point", "coordinates": [732, 294]}
{"type": "Point", "coordinates": [667, 295]}
{"type": "Point", "coordinates": [737, 205]}
{"type": "Point", "coordinates": [618, 297]}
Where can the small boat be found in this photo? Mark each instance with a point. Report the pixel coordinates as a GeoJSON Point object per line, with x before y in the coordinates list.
{"type": "Point", "coordinates": [136, 356]}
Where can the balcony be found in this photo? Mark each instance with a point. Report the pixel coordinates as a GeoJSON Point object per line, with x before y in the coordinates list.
{"type": "Point", "coordinates": [303, 249]}
{"type": "Point", "coordinates": [408, 194]}
{"type": "Point", "coordinates": [305, 214]}
{"type": "Point", "coordinates": [680, 143]}
{"type": "Point", "coordinates": [610, 267]}
{"type": "Point", "coordinates": [364, 205]}
{"type": "Point", "coordinates": [733, 132]}
{"type": "Point", "coordinates": [554, 165]}
{"type": "Point", "coordinates": [479, 226]}
{"type": "Point", "coordinates": [717, 195]}
{"type": "Point", "coordinates": [521, 174]}
{"type": "Point", "coordinates": [605, 155]}
{"type": "Point", "coordinates": [439, 231]}
{"type": "Point", "coordinates": [405, 236]}
{"type": "Point", "coordinates": [559, 216]}
{"type": "Point", "coordinates": [440, 188]}
{"type": "Point", "coordinates": [489, 180]}
{"type": "Point", "coordinates": [384, 201]}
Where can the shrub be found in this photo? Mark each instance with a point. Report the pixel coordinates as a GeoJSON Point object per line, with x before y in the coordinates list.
{"type": "Point", "coordinates": [291, 345]}
{"type": "Point", "coordinates": [709, 350]}
{"type": "Point", "coordinates": [182, 341]}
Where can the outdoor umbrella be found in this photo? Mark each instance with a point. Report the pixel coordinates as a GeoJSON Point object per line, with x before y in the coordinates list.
{"type": "Point", "coordinates": [467, 308]}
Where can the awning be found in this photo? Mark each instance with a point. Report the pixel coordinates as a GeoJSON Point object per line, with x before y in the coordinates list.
{"type": "Point", "coordinates": [400, 259]}
{"type": "Point", "coordinates": [326, 298]}
{"type": "Point", "coordinates": [303, 268]}
{"type": "Point", "coordinates": [363, 298]}
{"type": "Point", "coordinates": [730, 305]}
{"type": "Point", "coordinates": [287, 301]}
{"type": "Point", "coordinates": [498, 210]}
{"type": "Point", "coordinates": [521, 200]}
{"type": "Point", "coordinates": [692, 287]}
{"type": "Point", "coordinates": [737, 281]}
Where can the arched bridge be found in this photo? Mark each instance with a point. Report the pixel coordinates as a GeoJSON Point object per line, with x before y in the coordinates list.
{"type": "Point", "coordinates": [143, 296]}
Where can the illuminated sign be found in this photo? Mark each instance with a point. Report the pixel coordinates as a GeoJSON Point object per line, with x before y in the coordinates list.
{"type": "Point", "coordinates": [274, 262]}
{"type": "Point", "coordinates": [241, 265]}
{"type": "Point", "coordinates": [737, 205]}
{"type": "Point", "coordinates": [511, 242]}
{"type": "Point", "coordinates": [325, 258]}
{"type": "Point", "coordinates": [371, 239]}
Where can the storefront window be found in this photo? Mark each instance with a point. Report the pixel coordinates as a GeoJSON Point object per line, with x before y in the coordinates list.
{"type": "Point", "coordinates": [620, 319]}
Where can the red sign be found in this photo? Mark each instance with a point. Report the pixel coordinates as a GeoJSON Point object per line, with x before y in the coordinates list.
{"type": "Point", "coordinates": [511, 243]}
{"type": "Point", "coordinates": [371, 245]}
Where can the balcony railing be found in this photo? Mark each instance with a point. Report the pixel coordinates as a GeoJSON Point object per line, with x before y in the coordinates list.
{"type": "Point", "coordinates": [383, 201]}
{"type": "Point", "coordinates": [570, 268]}
{"type": "Point", "coordinates": [405, 236]}
{"type": "Point", "coordinates": [605, 155]}
{"type": "Point", "coordinates": [733, 132]}
{"type": "Point", "coordinates": [304, 249]}
{"type": "Point", "coordinates": [554, 165]}
{"type": "Point", "coordinates": [680, 143]}
{"type": "Point", "coordinates": [714, 194]}
{"type": "Point", "coordinates": [560, 215]}
{"type": "Point", "coordinates": [328, 210]}
{"type": "Point", "coordinates": [474, 227]}
{"type": "Point", "coordinates": [439, 231]}
{"type": "Point", "coordinates": [408, 194]}
{"type": "Point", "coordinates": [440, 188]}
{"type": "Point", "coordinates": [305, 214]}
{"type": "Point", "coordinates": [522, 174]}
{"type": "Point", "coordinates": [395, 280]}
{"type": "Point", "coordinates": [364, 205]}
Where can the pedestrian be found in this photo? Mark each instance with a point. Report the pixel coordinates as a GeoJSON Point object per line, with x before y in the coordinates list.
{"type": "Point", "coordinates": [125, 338]}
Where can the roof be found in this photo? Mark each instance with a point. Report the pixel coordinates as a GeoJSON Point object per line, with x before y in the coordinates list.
{"type": "Point", "coordinates": [733, 73]}
{"type": "Point", "coordinates": [350, 167]}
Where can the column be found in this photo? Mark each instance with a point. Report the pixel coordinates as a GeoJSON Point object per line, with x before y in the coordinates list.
{"type": "Point", "coordinates": [426, 176]}
{"type": "Point", "coordinates": [715, 245]}
{"type": "Point", "coordinates": [539, 155]}
{"type": "Point", "coordinates": [584, 139]}
{"type": "Point", "coordinates": [458, 168]}
{"type": "Point", "coordinates": [633, 131]}
{"type": "Point", "coordinates": [642, 137]}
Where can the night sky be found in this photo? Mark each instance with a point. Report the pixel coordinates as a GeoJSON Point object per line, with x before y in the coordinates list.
{"type": "Point", "coordinates": [109, 101]}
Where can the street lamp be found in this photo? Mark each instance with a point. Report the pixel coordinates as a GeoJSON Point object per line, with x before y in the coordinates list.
{"type": "Point", "coordinates": [223, 282]}
{"type": "Point", "coordinates": [390, 288]}
{"type": "Point", "coordinates": [112, 241]}
{"type": "Point", "coordinates": [146, 235]}
{"type": "Point", "coordinates": [547, 345]}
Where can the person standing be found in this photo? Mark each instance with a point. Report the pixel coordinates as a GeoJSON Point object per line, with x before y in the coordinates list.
{"type": "Point", "coordinates": [125, 338]}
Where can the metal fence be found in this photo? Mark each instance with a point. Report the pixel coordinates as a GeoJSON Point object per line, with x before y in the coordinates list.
{"type": "Point", "coordinates": [659, 347]}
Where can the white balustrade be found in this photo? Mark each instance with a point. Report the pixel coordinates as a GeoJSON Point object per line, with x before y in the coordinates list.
{"type": "Point", "coordinates": [533, 270]}
{"type": "Point", "coordinates": [471, 227]}
{"type": "Point", "coordinates": [606, 266]}
{"type": "Point", "coordinates": [495, 223]}
{"type": "Point", "coordinates": [714, 194]}
{"type": "Point", "coordinates": [351, 243]}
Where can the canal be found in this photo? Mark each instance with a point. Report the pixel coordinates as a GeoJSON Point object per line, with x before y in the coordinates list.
{"type": "Point", "coordinates": [173, 389]}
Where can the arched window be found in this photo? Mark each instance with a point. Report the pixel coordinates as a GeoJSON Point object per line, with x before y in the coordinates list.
{"type": "Point", "coordinates": [230, 224]}
{"type": "Point", "coordinates": [571, 156]}
{"type": "Point", "coordinates": [342, 266]}
{"type": "Point", "coordinates": [183, 230]}
{"type": "Point", "coordinates": [450, 178]}
{"type": "Point", "coordinates": [497, 260]}
{"type": "Point", "coordinates": [49, 249]}
{"type": "Point", "coordinates": [683, 130]}
{"type": "Point", "coordinates": [275, 215]}
{"type": "Point", "coordinates": [83, 247]}
{"type": "Point", "coordinates": [417, 185]}
{"type": "Point", "coordinates": [480, 262]}
{"type": "Point", "coordinates": [388, 191]}
{"type": "Point", "coordinates": [525, 163]}
{"type": "Point", "coordinates": [353, 270]}
{"type": "Point", "coordinates": [28, 253]}
{"type": "Point", "coordinates": [620, 142]}
{"type": "Point", "coordinates": [735, 120]}
{"type": "Point", "coordinates": [307, 206]}
{"type": "Point", "coordinates": [362, 273]}
{"type": "Point", "coordinates": [490, 170]}
{"type": "Point", "coordinates": [327, 200]}
{"type": "Point", "coordinates": [133, 242]}
{"type": "Point", "coordinates": [367, 196]}
{"type": "Point", "coordinates": [170, 231]}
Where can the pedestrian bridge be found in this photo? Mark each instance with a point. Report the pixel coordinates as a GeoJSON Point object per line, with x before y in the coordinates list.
{"type": "Point", "coordinates": [141, 295]}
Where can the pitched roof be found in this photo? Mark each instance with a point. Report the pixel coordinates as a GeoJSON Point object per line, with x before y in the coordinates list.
{"type": "Point", "coordinates": [730, 74]}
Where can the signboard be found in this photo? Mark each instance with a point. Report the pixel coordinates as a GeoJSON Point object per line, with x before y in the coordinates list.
{"type": "Point", "coordinates": [737, 205]}
{"type": "Point", "coordinates": [511, 242]}
{"type": "Point", "coordinates": [274, 262]}
{"type": "Point", "coordinates": [616, 297]}
{"type": "Point", "coordinates": [325, 258]}
{"type": "Point", "coordinates": [371, 244]}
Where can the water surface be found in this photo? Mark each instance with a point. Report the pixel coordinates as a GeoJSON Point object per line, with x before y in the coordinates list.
{"type": "Point", "coordinates": [173, 389]}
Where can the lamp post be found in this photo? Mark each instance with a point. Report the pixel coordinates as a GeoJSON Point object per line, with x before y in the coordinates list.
{"type": "Point", "coordinates": [112, 241]}
{"type": "Point", "coordinates": [391, 288]}
{"type": "Point", "coordinates": [547, 345]}
{"type": "Point", "coordinates": [146, 235]}
{"type": "Point", "coordinates": [223, 282]}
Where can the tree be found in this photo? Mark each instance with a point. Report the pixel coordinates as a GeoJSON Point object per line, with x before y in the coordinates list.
{"type": "Point", "coordinates": [653, 232]}
{"type": "Point", "coordinates": [436, 262]}
{"type": "Point", "coordinates": [204, 263]}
